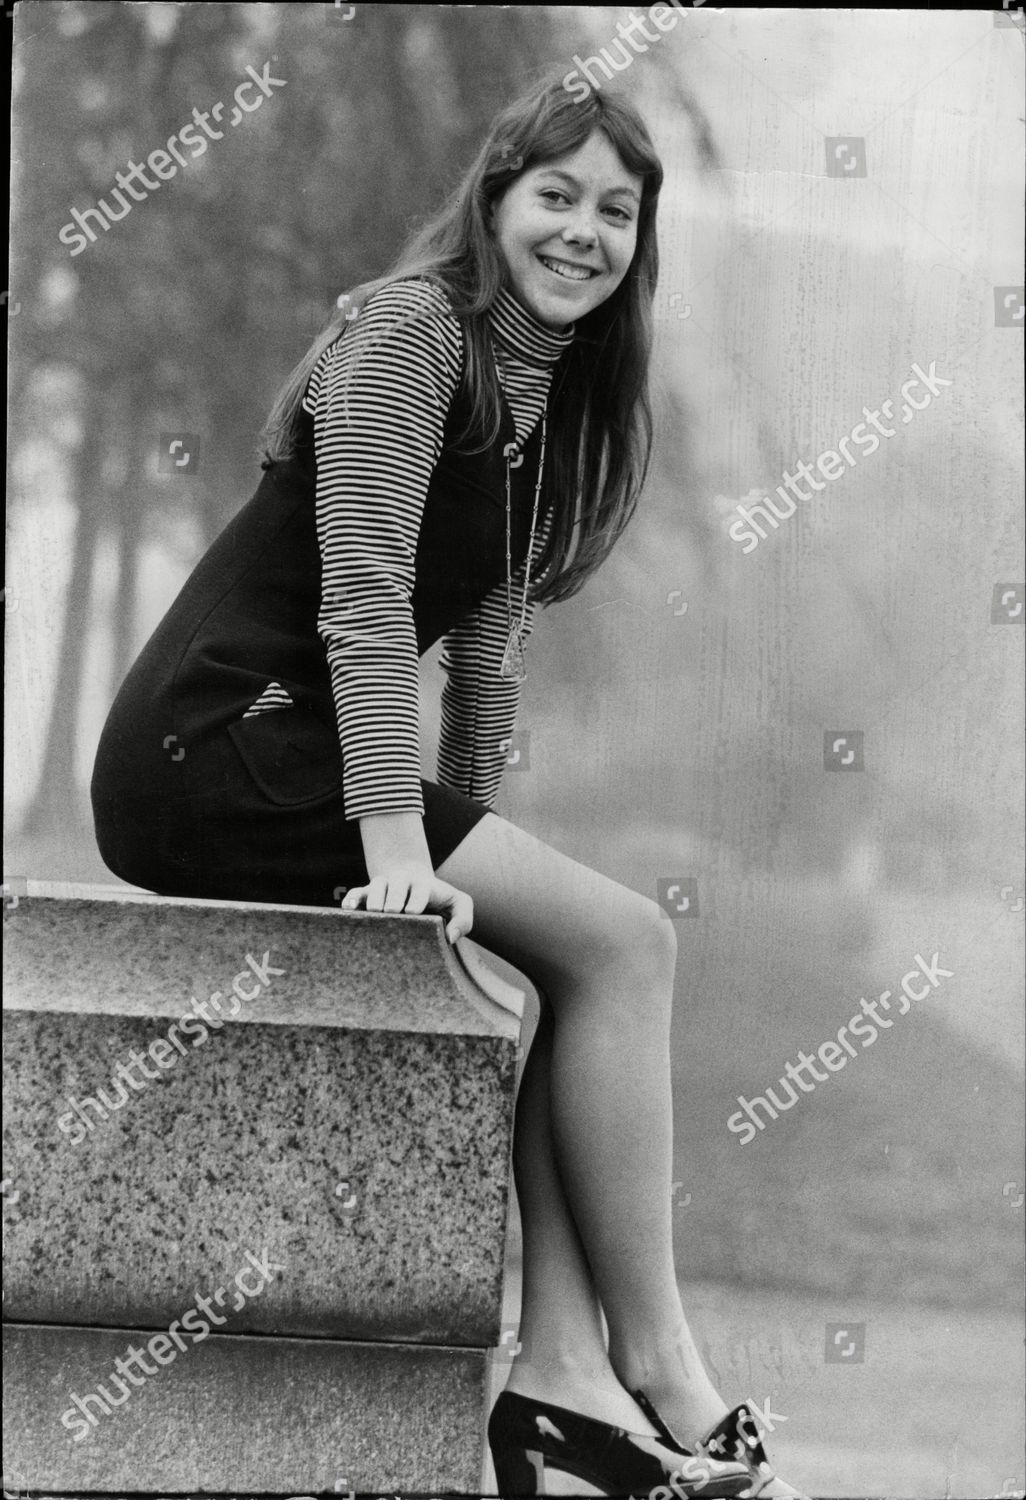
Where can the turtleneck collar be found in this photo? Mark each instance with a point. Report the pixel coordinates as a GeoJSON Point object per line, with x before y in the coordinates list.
{"type": "Point", "coordinates": [520, 333]}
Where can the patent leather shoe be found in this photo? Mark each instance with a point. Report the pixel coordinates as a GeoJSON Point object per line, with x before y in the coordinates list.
{"type": "Point", "coordinates": [735, 1437]}
{"type": "Point", "coordinates": [537, 1448]}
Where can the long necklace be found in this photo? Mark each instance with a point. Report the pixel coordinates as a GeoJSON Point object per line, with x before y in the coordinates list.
{"type": "Point", "coordinates": [513, 668]}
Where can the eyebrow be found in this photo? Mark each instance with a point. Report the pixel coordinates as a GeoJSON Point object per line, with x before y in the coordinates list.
{"type": "Point", "coordinates": [623, 188]}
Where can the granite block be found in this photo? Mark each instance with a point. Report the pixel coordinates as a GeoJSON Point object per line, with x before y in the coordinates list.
{"type": "Point", "coordinates": [100, 948]}
{"type": "Point", "coordinates": [231, 1415]}
{"type": "Point", "coordinates": [325, 1123]}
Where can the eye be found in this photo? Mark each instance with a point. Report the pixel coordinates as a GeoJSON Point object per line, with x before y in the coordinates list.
{"type": "Point", "coordinates": [624, 214]}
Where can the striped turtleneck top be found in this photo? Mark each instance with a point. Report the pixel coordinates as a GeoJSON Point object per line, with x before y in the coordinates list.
{"type": "Point", "coordinates": [378, 433]}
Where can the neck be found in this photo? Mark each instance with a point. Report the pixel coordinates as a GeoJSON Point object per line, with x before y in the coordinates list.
{"type": "Point", "coordinates": [520, 333]}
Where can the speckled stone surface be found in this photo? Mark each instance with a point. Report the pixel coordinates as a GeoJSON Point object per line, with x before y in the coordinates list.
{"type": "Point", "coordinates": [231, 1416]}
{"type": "Point", "coordinates": [141, 955]}
{"type": "Point", "coordinates": [328, 1123]}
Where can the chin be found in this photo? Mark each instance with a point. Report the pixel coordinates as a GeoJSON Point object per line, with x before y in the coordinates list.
{"type": "Point", "coordinates": [549, 307]}
{"type": "Point", "coordinates": [556, 314]}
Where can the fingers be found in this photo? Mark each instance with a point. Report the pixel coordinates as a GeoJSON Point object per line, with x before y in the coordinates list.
{"type": "Point", "coordinates": [379, 895]}
{"type": "Point", "coordinates": [414, 896]}
{"type": "Point", "coordinates": [395, 895]}
{"type": "Point", "coordinates": [462, 916]}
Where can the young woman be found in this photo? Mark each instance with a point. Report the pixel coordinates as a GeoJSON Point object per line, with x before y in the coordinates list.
{"type": "Point", "coordinates": [464, 443]}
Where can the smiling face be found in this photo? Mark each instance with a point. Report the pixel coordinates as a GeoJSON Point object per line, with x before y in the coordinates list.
{"type": "Point", "coordinates": [567, 230]}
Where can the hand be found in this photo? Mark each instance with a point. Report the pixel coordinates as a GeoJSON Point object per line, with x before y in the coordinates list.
{"type": "Point", "coordinates": [414, 889]}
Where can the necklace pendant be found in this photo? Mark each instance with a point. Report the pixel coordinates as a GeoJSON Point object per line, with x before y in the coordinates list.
{"type": "Point", "coordinates": [512, 667]}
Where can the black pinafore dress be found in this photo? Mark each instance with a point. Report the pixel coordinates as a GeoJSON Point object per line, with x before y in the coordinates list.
{"type": "Point", "coordinates": [192, 798]}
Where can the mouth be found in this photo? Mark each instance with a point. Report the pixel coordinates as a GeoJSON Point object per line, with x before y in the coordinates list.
{"type": "Point", "coordinates": [567, 270]}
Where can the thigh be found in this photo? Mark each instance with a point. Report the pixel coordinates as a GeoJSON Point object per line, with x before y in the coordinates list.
{"type": "Point", "coordinates": [550, 916]}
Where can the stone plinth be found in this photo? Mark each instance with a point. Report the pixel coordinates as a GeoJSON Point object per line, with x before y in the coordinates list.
{"type": "Point", "coordinates": [296, 1120]}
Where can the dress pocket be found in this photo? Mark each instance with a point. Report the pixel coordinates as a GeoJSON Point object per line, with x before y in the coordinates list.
{"type": "Point", "coordinates": [274, 696]}
{"type": "Point", "coordinates": [291, 754]}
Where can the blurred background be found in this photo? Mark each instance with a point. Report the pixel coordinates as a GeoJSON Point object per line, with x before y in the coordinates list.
{"type": "Point", "coordinates": [842, 201]}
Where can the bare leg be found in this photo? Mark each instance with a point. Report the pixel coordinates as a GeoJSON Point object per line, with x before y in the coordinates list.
{"type": "Point", "coordinates": [605, 958]}
{"type": "Point", "coordinates": [563, 1356]}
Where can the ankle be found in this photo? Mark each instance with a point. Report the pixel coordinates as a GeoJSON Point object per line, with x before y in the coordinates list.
{"type": "Point", "coordinates": [560, 1364]}
{"type": "Point", "coordinates": [688, 1412]}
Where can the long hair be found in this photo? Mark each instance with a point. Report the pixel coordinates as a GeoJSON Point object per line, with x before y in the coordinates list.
{"type": "Point", "coordinates": [600, 420]}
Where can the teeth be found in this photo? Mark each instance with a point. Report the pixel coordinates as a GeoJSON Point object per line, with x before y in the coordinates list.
{"type": "Point", "coordinates": [572, 273]}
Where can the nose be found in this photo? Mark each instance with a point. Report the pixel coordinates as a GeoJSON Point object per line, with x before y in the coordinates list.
{"type": "Point", "coordinates": [580, 230]}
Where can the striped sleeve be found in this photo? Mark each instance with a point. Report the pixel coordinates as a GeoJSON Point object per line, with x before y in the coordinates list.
{"type": "Point", "coordinates": [478, 707]}
{"type": "Point", "coordinates": [378, 432]}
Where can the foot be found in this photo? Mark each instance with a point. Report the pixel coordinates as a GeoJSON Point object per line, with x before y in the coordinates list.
{"type": "Point", "coordinates": [599, 1395]}
{"type": "Point", "coordinates": [737, 1437]}
{"type": "Point", "coordinates": [541, 1449]}
{"type": "Point", "coordinates": [676, 1385]}
{"type": "Point", "coordinates": [688, 1413]}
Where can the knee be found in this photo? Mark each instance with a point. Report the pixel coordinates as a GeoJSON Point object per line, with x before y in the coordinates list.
{"type": "Point", "coordinates": [655, 938]}
{"type": "Point", "coordinates": [630, 947]}
{"type": "Point", "coordinates": [643, 945]}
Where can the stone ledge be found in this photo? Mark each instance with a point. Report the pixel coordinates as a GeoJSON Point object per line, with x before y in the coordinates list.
{"type": "Point", "coordinates": [366, 1150]}
{"type": "Point", "coordinates": [127, 953]}
{"type": "Point", "coordinates": [288, 1417]}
